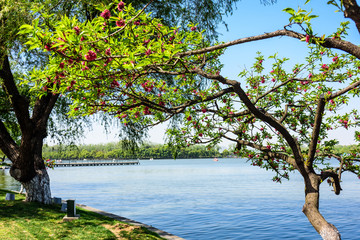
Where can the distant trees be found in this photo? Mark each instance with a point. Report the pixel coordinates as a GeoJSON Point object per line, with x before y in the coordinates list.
{"type": "Point", "coordinates": [116, 150]}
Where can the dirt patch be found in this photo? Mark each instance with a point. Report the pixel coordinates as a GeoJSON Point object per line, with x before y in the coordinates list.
{"type": "Point", "coordinates": [118, 228]}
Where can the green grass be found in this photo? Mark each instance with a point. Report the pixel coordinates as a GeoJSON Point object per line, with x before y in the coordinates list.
{"type": "Point", "coordinates": [23, 220]}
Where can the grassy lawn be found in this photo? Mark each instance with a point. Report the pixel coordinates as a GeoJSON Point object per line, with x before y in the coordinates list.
{"type": "Point", "coordinates": [23, 220]}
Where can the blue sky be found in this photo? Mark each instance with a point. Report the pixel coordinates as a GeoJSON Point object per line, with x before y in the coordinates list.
{"type": "Point", "coordinates": [252, 18]}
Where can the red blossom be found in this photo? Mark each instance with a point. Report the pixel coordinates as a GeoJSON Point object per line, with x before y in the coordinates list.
{"type": "Point", "coordinates": [61, 65]}
{"type": "Point", "coordinates": [62, 74]}
{"type": "Point", "coordinates": [106, 14]}
{"type": "Point", "coordinates": [108, 52]}
{"type": "Point", "coordinates": [121, 6]}
{"type": "Point", "coordinates": [193, 28]}
{"type": "Point", "coordinates": [90, 56]}
{"type": "Point", "coordinates": [77, 30]}
{"type": "Point", "coordinates": [147, 111]}
{"type": "Point", "coordinates": [72, 83]}
{"type": "Point", "coordinates": [148, 52]}
{"type": "Point", "coordinates": [307, 38]}
{"type": "Point", "coordinates": [115, 84]}
{"type": "Point", "coordinates": [120, 23]}
{"type": "Point", "coordinates": [48, 47]}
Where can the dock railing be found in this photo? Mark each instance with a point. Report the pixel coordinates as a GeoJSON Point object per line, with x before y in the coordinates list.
{"type": "Point", "coordinates": [86, 162]}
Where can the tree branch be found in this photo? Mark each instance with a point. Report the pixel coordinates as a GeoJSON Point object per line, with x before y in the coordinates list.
{"type": "Point", "coordinates": [270, 153]}
{"type": "Point", "coordinates": [7, 144]}
{"type": "Point", "coordinates": [19, 103]}
{"type": "Point", "coordinates": [43, 108]}
{"type": "Point", "coordinates": [352, 11]}
{"type": "Point", "coordinates": [316, 131]}
{"type": "Point", "coordinates": [345, 90]}
{"type": "Point", "coordinates": [328, 43]}
{"type": "Point", "coordinates": [336, 181]}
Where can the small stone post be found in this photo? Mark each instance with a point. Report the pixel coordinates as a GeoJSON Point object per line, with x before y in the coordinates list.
{"type": "Point", "coordinates": [10, 197]}
{"type": "Point", "coordinates": [71, 211]}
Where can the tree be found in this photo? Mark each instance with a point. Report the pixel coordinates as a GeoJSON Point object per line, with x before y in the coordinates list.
{"type": "Point", "coordinates": [24, 116]}
{"type": "Point", "coordinates": [279, 119]}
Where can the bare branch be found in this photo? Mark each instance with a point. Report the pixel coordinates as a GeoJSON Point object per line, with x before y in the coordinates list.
{"type": "Point", "coordinates": [316, 130]}
{"type": "Point", "coordinates": [345, 90]}
{"type": "Point", "coordinates": [335, 177]}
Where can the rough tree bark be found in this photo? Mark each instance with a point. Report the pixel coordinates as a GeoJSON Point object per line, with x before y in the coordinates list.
{"type": "Point", "coordinates": [27, 163]}
{"type": "Point", "coordinates": [311, 209]}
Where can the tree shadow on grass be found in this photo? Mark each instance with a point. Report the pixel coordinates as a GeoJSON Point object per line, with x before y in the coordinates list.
{"type": "Point", "coordinates": [43, 221]}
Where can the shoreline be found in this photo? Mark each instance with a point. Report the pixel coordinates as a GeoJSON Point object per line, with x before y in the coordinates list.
{"type": "Point", "coordinates": [161, 233]}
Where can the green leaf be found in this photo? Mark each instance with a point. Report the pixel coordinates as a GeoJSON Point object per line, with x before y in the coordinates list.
{"type": "Point", "coordinates": [289, 10]}
{"type": "Point", "coordinates": [25, 29]}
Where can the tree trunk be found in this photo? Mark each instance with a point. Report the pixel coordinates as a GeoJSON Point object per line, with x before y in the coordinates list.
{"type": "Point", "coordinates": [38, 188]}
{"type": "Point", "coordinates": [311, 209]}
{"type": "Point", "coordinates": [27, 163]}
{"type": "Point", "coordinates": [28, 166]}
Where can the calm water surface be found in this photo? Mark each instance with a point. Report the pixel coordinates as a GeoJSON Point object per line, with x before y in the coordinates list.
{"type": "Point", "coordinates": [202, 199]}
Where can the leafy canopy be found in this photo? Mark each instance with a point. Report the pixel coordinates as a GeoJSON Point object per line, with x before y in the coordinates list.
{"type": "Point", "coordinates": [115, 63]}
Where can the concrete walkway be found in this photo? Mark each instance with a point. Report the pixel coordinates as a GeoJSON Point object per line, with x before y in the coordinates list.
{"type": "Point", "coordinates": [161, 233]}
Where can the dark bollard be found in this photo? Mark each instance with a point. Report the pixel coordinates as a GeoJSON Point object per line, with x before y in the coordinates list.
{"type": "Point", "coordinates": [71, 208]}
{"type": "Point", "coordinates": [70, 211]}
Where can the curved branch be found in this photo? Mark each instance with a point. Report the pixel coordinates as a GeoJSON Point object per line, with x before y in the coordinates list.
{"type": "Point", "coordinates": [336, 181]}
{"type": "Point", "coordinates": [266, 117]}
{"type": "Point", "coordinates": [327, 42]}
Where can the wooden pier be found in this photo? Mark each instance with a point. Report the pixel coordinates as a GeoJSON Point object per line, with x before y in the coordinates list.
{"type": "Point", "coordinates": [77, 163]}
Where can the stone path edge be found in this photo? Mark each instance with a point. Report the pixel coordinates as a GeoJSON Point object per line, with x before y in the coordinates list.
{"type": "Point", "coordinates": [161, 233]}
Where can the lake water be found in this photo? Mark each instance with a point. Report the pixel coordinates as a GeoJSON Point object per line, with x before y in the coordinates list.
{"type": "Point", "coordinates": [202, 199]}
